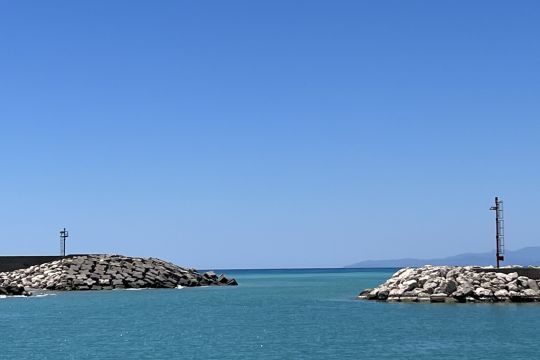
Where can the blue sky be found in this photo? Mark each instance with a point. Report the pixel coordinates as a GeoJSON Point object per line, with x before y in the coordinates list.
{"type": "Point", "coordinates": [238, 134]}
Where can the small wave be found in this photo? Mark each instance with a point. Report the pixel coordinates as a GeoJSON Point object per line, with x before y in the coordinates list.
{"type": "Point", "coordinates": [12, 296]}
{"type": "Point", "coordinates": [128, 289]}
{"type": "Point", "coordinates": [136, 289]}
{"type": "Point", "coordinates": [44, 295]}
{"type": "Point", "coordinates": [180, 287]}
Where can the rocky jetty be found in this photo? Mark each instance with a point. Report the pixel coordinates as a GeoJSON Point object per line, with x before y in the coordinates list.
{"type": "Point", "coordinates": [454, 284]}
{"type": "Point", "coordinates": [105, 272]}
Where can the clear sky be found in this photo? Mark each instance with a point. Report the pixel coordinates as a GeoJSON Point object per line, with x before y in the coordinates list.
{"type": "Point", "coordinates": [238, 134]}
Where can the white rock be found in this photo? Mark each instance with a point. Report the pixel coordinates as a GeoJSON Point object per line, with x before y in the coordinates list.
{"type": "Point", "coordinates": [396, 292]}
{"type": "Point", "coordinates": [409, 285]}
{"type": "Point", "coordinates": [501, 276]}
{"type": "Point", "coordinates": [481, 292]}
{"type": "Point", "coordinates": [511, 276]}
{"type": "Point", "coordinates": [530, 292]}
{"type": "Point", "coordinates": [406, 273]}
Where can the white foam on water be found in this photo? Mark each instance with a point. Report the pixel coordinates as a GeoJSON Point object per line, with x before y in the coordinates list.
{"type": "Point", "coordinates": [124, 289]}
{"type": "Point", "coordinates": [44, 295]}
{"type": "Point", "coordinates": [180, 287]}
{"type": "Point", "coordinates": [12, 296]}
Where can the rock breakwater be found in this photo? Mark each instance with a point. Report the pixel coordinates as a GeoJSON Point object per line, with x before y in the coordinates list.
{"type": "Point", "coordinates": [105, 272]}
{"type": "Point", "coordinates": [454, 284]}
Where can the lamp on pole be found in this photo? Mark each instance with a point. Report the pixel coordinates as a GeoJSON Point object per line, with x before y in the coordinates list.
{"type": "Point", "coordinates": [499, 229]}
{"type": "Point", "coordinates": [63, 236]}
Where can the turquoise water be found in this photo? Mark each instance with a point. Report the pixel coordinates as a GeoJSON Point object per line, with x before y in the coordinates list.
{"type": "Point", "coordinates": [273, 314]}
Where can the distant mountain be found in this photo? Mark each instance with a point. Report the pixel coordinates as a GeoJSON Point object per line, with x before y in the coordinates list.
{"type": "Point", "coordinates": [524, 257]}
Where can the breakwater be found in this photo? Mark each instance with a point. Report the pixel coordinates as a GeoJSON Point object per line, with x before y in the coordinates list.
{"type": "Point", "coordinates": [105, 272]}
{"type": "Point", "coordinates": [456, 284]}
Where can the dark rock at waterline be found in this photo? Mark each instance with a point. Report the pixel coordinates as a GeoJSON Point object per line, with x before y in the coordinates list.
{"type": "Point", "coordinates": [13, 290]}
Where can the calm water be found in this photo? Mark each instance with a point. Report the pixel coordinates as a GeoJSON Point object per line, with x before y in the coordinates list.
{"type": "Point", "coordinates": [273, 314]}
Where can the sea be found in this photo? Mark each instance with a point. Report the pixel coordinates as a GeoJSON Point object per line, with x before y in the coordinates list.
{"type": "Point", "coordinates": [272, 314]}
